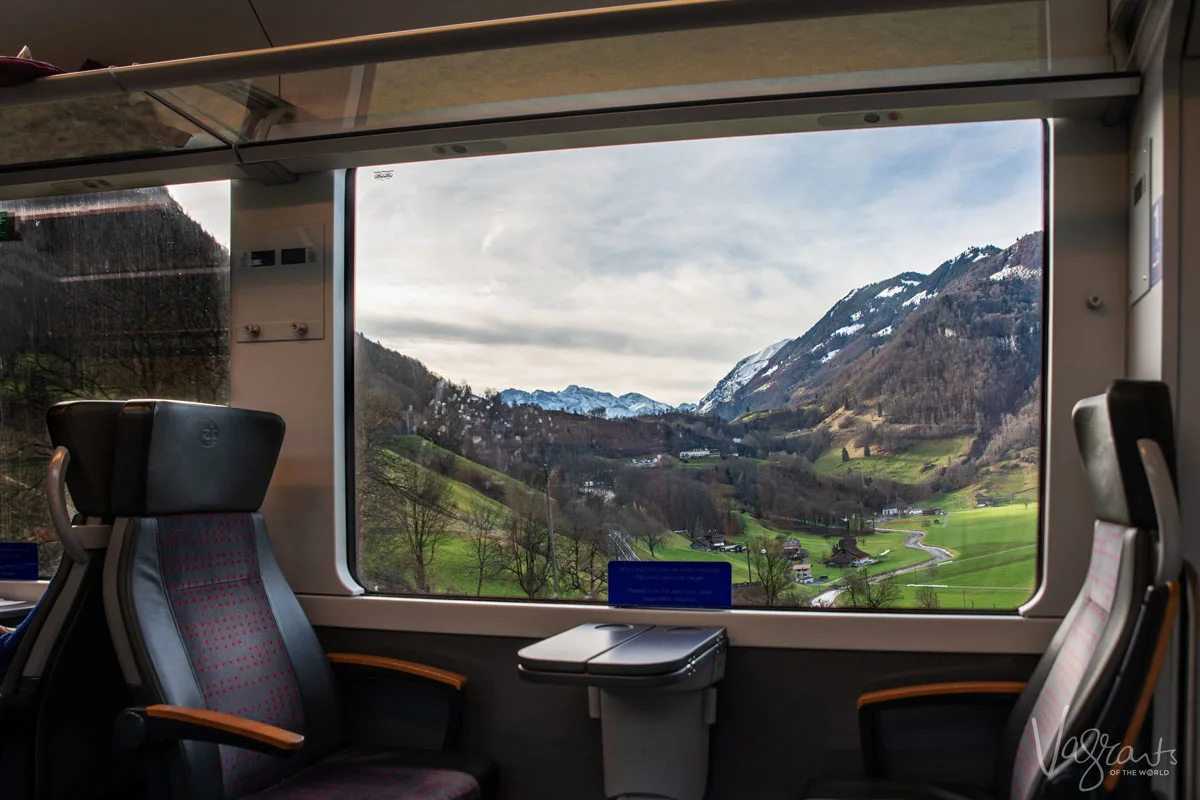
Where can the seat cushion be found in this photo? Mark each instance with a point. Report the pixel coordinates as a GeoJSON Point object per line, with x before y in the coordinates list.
{"type": "Point", "coordinates": [373, 774]}
{"type": "Point", "coordinates": [864, 789]}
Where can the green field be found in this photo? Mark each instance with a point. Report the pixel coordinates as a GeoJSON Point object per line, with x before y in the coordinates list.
{"type": "Point", "coordinates": [995, 559]}
{"type": "Point", "coordinates": [994, 563]}
{"type": "Point", "coordinates": [908, 466]}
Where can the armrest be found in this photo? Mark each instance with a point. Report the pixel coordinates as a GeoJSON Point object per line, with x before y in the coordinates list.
{"type": "Point", "coordinates": [396, 665]}
{"type": "Point", "coordinates": [392, 703]}
{"type": "Point", "coordinates": [925, 695]}
{"type": "Point", "coordinates": [142, 725]}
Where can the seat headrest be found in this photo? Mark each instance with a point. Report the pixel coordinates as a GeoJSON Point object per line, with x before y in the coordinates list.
{"type": "Point", "coordinates": [184, 458]}
{"type": "Point", "coordinates": [1107, 429]}
{"type": "Point", "coordinates": [88, 429]}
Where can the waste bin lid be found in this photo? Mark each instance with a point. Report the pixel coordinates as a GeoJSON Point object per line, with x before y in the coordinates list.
{"type": "Point", "coordinates": [571, 651]}
{"type": "Point", "coordinates": [661, 650]}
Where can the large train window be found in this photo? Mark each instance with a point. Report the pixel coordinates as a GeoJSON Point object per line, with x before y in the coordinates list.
{"type": "Point", "coordinates": [817, 357]}
{"type": "Point", "coordinates": [109, 295]}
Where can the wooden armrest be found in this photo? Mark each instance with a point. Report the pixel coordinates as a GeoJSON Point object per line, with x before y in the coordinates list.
{"type": "Point", "coordinates": [143, 726]}
{"type": "Point", "coordinates": [239, 727]}
{"type": "Point", "coordinates": [936, 689]}
{"type": "Point", "coordinates": [396, 665]}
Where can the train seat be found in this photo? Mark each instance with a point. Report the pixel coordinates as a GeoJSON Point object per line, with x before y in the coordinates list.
{"type": "Point", "coordinates": [237, 698]}
{"type": "Point", "coordinates": [63, 687]}
{"type": "Point", "coordinates": [1096, 679]}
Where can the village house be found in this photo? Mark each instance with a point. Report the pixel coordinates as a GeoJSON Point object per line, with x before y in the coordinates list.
{"type": "Point", "coordinates": [793, 550]}
{"type": "Point", "coordinates": [802, 573]}
{"type": "Point", "coordinates": [846, 554]}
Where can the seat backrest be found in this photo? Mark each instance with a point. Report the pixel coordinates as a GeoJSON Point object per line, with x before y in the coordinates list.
{"type": "Point", "coordinates": [62, 689]}
{"type": "Point", "coordinates": [1071, 691]}
{"type": "Point", "coordinates": [197, 604]}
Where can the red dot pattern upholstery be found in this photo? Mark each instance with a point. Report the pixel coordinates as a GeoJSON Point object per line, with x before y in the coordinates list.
{"type": "Point", "coordinates": [373, 777]}
{"type": "Point", "coordinates": [209, 566]}
{"type": "Point", "coordinates": [1072, 662]}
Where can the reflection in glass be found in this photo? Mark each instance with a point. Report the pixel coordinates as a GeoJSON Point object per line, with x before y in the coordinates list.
{"type": "Point", "coordinates": [105, 296]}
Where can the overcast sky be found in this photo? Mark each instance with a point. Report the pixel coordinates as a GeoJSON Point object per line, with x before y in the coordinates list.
{"type": "Point", "coordinates": [654, 268]}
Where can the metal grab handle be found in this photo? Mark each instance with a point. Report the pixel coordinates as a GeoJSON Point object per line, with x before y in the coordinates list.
{"type": "Point", "coordinates": [1166, 508]}
{"type": "Point", "coordinates": [56, 492]}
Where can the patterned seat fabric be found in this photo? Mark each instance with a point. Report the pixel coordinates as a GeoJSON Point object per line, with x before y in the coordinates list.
{"type": "Point", "coordinates": [1050, 711]}
{"type": "Point", "coordinates": [379, 775]}
{"type": "Point", "coordinates": [209, 568]}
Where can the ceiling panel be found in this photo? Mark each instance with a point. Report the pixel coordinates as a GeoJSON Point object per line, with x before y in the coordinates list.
{"type": "Point", "coordinates": [120, 32]}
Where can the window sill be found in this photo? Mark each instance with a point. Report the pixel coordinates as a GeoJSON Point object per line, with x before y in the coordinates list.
{"type": "Point", "coordinates": [802, 630]}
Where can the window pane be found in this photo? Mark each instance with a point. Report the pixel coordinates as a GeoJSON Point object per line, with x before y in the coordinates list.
{"type": "Point", "coordinates": [110, 295]}
{"type": "Point", "coordinates": [816, 356]}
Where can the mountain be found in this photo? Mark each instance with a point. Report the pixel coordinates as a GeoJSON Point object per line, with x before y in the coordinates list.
{"type": "Point", "coordinates": [582, 400]}
{"type": "Point", "coordinates": [893, 340]}
{"type": "Point", "coordinates": [738, 377]}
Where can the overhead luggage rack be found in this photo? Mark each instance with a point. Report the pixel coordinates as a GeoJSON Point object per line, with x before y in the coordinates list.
{"type": "Point", "coordinates": [238, 110]}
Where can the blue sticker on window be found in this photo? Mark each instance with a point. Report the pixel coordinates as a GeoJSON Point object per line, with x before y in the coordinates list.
{"type": "Point", "coordinates": [18, 561]}
{"type": "Point", "coordinates": [674, 584]}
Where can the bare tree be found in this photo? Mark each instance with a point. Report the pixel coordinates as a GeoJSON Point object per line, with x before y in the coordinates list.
{"type": "Point", "coordinates": [423, 516]}
{"type": "Point", "coordinates": [528, 545]}
{"type": "Point", "coordinates": [585, 560]}
{"type": "Point", "coordinates": [771, 567]}
{"type": "Point", "coordinates": [484, 522]}
{"type": "Point", "coordinates": [865, 593]}
{"type": "Point", "coordinates": [927, 596]}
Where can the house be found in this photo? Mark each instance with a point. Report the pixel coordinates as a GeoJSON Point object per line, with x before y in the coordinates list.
{"type": "Point", "coordinates": [793, 550]}
{"type": "Point", "coordinates": [802, 573]}
{"type": "Point", "coordinates": [932, 512]}
{"type": "Point", "coordinates": [891, 512]}
{"type": "Point", "coordinates": [688, 455]}
{"type": "Point", "coordinates": [847, 554]}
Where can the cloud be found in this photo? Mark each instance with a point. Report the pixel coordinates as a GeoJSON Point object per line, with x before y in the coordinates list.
{"type": "Point", "coordinates": [655, 267]}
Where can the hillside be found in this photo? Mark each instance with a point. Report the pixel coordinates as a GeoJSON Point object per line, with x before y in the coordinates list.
{"type": "Point", "coordinates": [976, 315]}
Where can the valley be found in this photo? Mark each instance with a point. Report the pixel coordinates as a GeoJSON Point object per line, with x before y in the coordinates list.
{"type": "Point", "coordinates": [886, 458]}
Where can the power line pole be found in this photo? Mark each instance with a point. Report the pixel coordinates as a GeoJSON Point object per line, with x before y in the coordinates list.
{"type": "Point", "coordinates": [550, 527]}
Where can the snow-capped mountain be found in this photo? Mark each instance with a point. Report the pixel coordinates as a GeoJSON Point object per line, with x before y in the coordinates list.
{"type": "Point", "coordinates": [864, 321]}
{"type": "Point", "coordinates": [739, 376]}
{"type": "Point", "coordinates": [582, 400]}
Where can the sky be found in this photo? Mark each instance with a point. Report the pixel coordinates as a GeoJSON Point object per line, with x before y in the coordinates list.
{"type": "Point", "coordinates": [654, 268]}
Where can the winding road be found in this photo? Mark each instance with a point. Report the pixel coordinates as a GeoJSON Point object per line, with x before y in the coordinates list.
{"type": "Point", "coordinates": [828, 598]}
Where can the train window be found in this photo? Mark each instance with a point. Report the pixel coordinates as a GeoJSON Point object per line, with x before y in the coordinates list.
{"type": "Point", "coordinates": [109, 295]}
{"type": "Point", "coordinates": [816, 357]}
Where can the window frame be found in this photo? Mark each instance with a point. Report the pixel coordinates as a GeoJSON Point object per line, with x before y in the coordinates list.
{"type": "Point", "coordinates": [1089, 213]}
{"type": "Point", "coordinates": [350, 381]}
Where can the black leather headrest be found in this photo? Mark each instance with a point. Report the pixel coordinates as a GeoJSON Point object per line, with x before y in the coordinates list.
{"type": "Point", "coordinates": [1107, 428]}
{"type": "Point", "coordinates": [184, 458]}
{"type": "Point", "coordinates": [88, 429]}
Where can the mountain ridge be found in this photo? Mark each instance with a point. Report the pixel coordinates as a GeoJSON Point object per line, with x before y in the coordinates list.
{"type": "Point", "coordinates": [584, 400]}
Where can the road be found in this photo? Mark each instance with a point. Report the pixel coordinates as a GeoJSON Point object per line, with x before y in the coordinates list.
{"type": "Point", "coordinates": [828, 598]}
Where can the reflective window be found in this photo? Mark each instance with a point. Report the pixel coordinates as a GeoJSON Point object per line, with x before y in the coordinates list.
{"type": "Point", "coordinates": [817, 357]}
{"type": "Point", "coordinates": [105, 296]}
